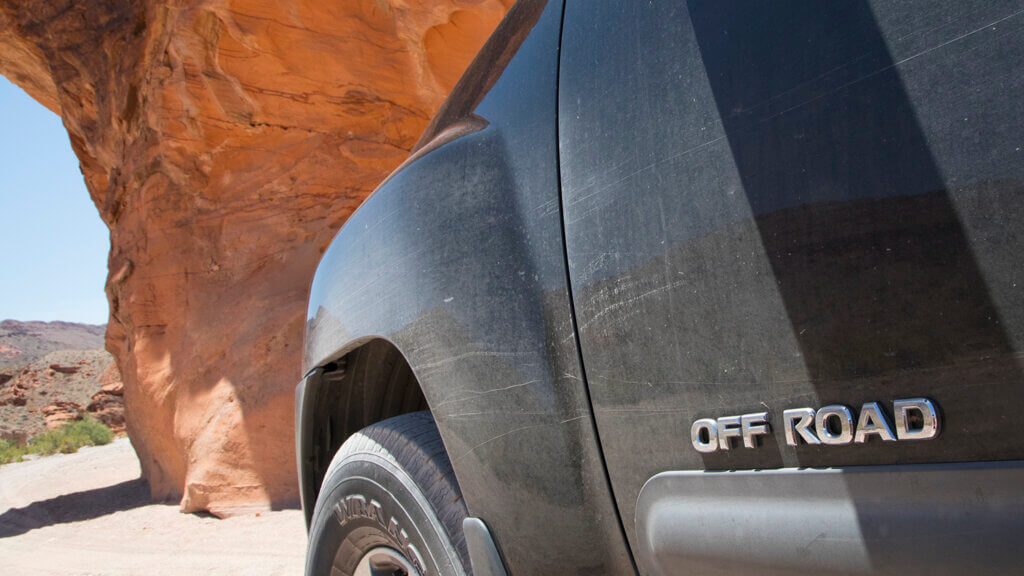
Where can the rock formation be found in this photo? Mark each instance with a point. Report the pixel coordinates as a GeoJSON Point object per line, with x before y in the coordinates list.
{"type": "Point", "coordinates": [107, 405]}
{"type": "Point", "coordinates": [60, 413]}
{"type": "Point", "coordinates": [224, 143]}
{"type": "Point", "coordinates": [13, 395]}
{"type": "Point", "coordinates": [65, 369]}
{"type": "Point", "coordinates": [52, 390]}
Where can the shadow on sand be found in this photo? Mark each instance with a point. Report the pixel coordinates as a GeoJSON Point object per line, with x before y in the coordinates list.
{"type": "Point", "coordinates": [75, 507]}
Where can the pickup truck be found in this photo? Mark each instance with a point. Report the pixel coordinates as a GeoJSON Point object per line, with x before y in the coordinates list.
{"type": "Point", "coordinates": [691, 287]}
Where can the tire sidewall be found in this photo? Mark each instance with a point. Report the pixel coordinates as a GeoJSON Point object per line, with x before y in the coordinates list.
{"type": "Point", "coordinates": [368, 500]}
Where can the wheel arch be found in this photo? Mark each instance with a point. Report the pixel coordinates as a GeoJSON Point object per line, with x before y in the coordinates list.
{"type": "Point", "coordinates": [368, 381]}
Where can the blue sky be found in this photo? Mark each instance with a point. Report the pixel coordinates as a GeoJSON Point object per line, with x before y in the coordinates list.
{"type": "Point", "coordinates": [53, 252]}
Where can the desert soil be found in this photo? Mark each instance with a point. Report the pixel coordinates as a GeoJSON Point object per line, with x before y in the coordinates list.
{"type": "Point", "coordinates": [89, 514]}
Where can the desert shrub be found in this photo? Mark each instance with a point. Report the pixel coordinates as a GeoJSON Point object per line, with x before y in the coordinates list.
{"type": "Point", "coordinates": [45, 443]}
{"type": "Point", "coordinates": [69, 444]}
{"type": "Point", "coordinates": [70, 437]}
{"type": "Point", "coordinates": [91, 432]}
{"type": "Point", "coordinates": [11, 451]}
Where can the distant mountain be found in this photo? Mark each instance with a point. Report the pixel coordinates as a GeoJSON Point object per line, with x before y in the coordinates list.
{"type": "Point", "coordinates": [25, 342]}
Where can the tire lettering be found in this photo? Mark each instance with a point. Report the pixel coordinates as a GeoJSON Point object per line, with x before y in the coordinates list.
{"type": "Point", "coordinates": [358, 506]}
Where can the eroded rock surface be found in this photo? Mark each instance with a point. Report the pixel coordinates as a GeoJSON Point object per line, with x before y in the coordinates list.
{"type": "Point", "coordinates": [107, 405]}
{"type": "Point", "coordinates": [60, 413]}
{"type": "Point", "coordinates": [224, 143]}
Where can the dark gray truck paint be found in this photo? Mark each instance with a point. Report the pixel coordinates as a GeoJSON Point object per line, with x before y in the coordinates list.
{"type": "Point", "coordinates": [458, 261]}
{"type": "Point", "coordinates": [771, 205]}
{"type": "Point", "coordinates": [766, 205]}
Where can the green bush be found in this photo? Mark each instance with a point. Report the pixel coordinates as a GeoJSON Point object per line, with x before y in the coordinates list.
{"type": "Point", "coordinates": [69, 445]}
{"type": "Point", "coordinates": [67, 440]}
{"type": "Point", "coordinates": [91, 431]}
{"type": "Point", "coordinates": [45, 443]}
{"type": "Point", "coordinates": [11, 451]}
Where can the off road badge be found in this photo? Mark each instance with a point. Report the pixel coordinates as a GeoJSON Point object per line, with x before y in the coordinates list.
{"type": "Point", "coordinates": [836, 425]}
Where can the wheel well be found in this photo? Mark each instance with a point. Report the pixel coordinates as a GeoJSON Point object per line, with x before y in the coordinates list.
{"type": "Point", "coordinates": [367, 385]}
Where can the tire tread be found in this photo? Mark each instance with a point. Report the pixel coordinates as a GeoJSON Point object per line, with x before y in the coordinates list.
{"type": "Point", "coordinates": [412, 441]}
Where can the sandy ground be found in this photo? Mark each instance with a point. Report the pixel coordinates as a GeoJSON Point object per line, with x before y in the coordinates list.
{"type": "Point", "coordinates": [89, 513]}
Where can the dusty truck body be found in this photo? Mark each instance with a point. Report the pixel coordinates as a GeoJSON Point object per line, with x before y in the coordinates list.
{"type": "Point", "coordinates": [686, 288]}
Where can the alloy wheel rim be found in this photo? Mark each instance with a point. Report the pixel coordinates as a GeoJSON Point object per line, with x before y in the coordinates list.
{"type": "Point", "coordinates": [384, 561]}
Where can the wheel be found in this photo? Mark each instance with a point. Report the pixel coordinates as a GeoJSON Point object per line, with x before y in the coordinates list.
{"type": "Point", "coordinates": [389, 505]}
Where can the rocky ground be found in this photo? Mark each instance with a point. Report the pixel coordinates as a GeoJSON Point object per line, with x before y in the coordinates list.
{"type": "Point", "coordinates": [89, 513]}
{"type": "Point", "coordinates": [60, 387]}
{"type": "Point", "coordinates": [54, 372]}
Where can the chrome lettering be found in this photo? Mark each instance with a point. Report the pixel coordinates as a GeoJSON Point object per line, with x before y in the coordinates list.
{"type": "Point", "coordinates": [927, 413]}
{"type": "Point", "coordinates": [752, 426]}
{"type": "Point", "coordinates": [801, 427]}
{"type": "Point", "coordinates": [835, 425]}
{"type": "Point", "coordinates": [837, 414]}
{"type": "Point", "coordinates": [701, 428]}
{"type": "Point", "coordinates": [872, 421]}
{"type": "Point", "coordinates": [728, 427]}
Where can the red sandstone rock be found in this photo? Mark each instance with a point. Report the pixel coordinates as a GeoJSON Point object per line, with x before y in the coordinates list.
{"type": "Point", "coordinates": [12, 400]}
{"type": "Point", "coordinates": [60, 413]}
{"type": "Point", "coordinates": [107, 405]}
{"type": "Point", "coordinates": [64, 369]}
{"type": "Point", "coordinates": [108, 409]}
{"type": "Point", "coordinates": [224, 144]}
{"type": "Point", "coordinates": [14, 395]}
{"type": "Point", "coordinates": [114, 388]}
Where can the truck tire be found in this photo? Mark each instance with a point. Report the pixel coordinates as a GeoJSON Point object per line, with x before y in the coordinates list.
{"type": "Point", "coordinates": [389, 504]}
